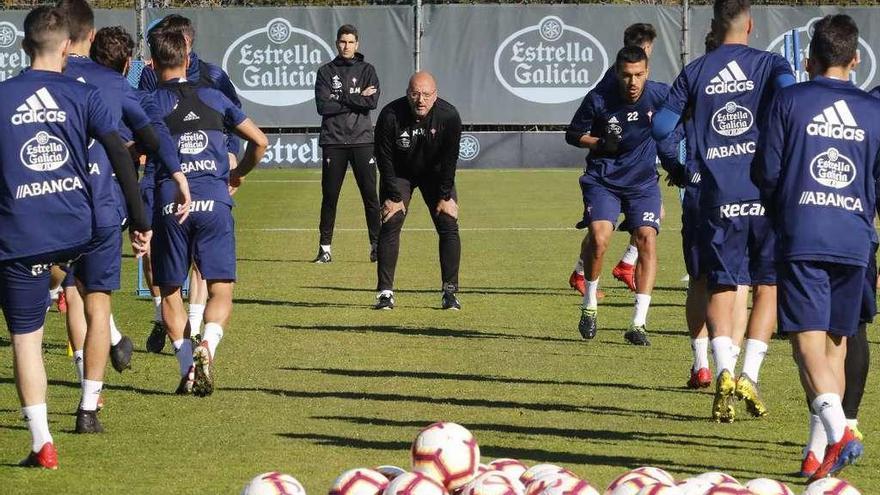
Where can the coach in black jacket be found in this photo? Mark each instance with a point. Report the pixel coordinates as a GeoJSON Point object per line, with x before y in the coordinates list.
{"type": "Point", "coordinates": [345, 91]}
{"type": "Point", "coordinates": [417, 140]}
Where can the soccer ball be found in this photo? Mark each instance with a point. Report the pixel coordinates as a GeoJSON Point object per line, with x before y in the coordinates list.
{"type": "Point", "coordinates": [716, 478]}
{"type": "Point", "coordinates": [414, 484]}
{"type": "Point", "coordinates": [630, 482]}
{"type": "Point", "coordinates": [541, 470]}
{"type": "Point", "coordinates": [511, 467]}
{"type": "Point", "coordinates": [765, 486]}
{"type": "Point", "coordinates": [831, 486]}
{"type": "Point", "coordinates": [694, 486]}
{"type": "Point", "coordinates": [660, 489]}
{"type": "Point", "coordinates": [390, 472]}
{"type": "Point", "coordinates": [656, 473]}
{"type": "Point", "coordinates": [550, 479]}
{"type": "Point", "coordinates": [359, 482]}
{"type": "Point", "coordinates": [483, 469]}
{"type": "Point", "coordinates": [562, 484]}
{"type": "Point", "coordinates": [273, 483]}
{"type": "Point", "coordinates": [493, 483]}
{"type": "Point", "coordinates": [446, 452]}
{"type": "Point", "coordinates": [728, 488]}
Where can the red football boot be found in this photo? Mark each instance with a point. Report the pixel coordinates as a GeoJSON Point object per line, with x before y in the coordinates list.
{"type": "Point", "coordinates": [46, 458]}
{"type": "Point", "coordinates": [626, 273]}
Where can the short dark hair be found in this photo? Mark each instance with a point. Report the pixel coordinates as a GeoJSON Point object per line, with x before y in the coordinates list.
{"type": "Point", "coordinates": [80, 17]}
{"type": "Point", "coordinates": [168, 49]}
{"type": "Point", "coordinates": [724, 12]}
{"type": "Point", "coordinates": [112, 48]}
{"type": "Point", "coordinates": [175, 23]}
{"type": "Point", "coordinates": [638, 34]}
{"type": "Point", "coordinates": [45, 28]}
{"type": "Point", "coordinates": [347, 29]}
{"type": "Point", "coordinates": [835, 41]}
{"type": "Point", "coordinates": [630, 55]}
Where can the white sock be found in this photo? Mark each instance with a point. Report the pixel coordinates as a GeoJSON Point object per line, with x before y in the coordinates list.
{"type": "Point", "coordinates": [700, 347]}
{"type": "Point", "coordinates": [640, 312]}
{"type": "Point", "coordinates": [852, 423]}
{"type": "Point", "coordinates": [755, 352]}
{"type": "Point", "coordinates": [818, 439]}
{"type": "Point", "coordinates": [115, 336]}
{"type": "Point", "coordinates": [78, 362]}
{"type": "Point", "coordinates": [184, 352]}
{"type": "Point", "coordinates": [829, 408]}
{"type": "Point", "coordinates": [91, 391]}
{"type": "Point", "coordinates": [723, 351]}
{"type": "Point", "coordinates": [196, 313]}
{"type": "Point", "coordinates": [325, 248]}
{"type": "Point", "coordinates": [630, 255]}
{"type": "Point", "coordinates": [590, 299]}
{"type": "Point", "coordinates": [579, 267]}
{"type": "Point", "coordinates": [53, 293]}
{"type": "Point", "coordinates": [38, 424]}
{"type": "Point", "coordinates": [213, 334]}
{"type": "Point", "coordinates": [157, 308]}
{"type": "Point", "coordinates": [387, 292]}
{"type": "Point", "coordinates": [735, 351]}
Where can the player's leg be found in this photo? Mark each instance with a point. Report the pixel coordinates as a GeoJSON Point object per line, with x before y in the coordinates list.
{"type": "Point", "coordinates": [625, 269]}
{"type": "Point", "coordinates": [740, 320]}
{"type": "Point", "coordinates": [363, 164]}
{"type": "Point", "coordinates": [76, 322]}
{"type": "Point", "coordinates": [642, 209]}
{"type": "Point", "coordinates": [335, 161]}
{"type": "Point", "coordinates": [449, 244]}
{"type": "Point", "coordinates": [389, 248]}
{"type": "Point", "coordinates": [56, 291]}
{"type": "Point", "coordinates": [858, 355]}
{"type": "Point", "coordinates": [156, 339]}
{"type": "Point", "coordinates": [697, 295]}
{"type": "Point", "coordinates": [198, 297]}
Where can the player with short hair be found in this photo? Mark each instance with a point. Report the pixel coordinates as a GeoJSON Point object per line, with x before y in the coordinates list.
{"type": "Point", "coordinates": [346, 89]}
{"type": "Point", "coordinates": [818, 169]}
{"type": "Point", "coordinates": [729, 90]}
{"type": "Point", "coordinates": [198, 118]}
{"type": "Point", "coordinates": [640, 34]}
{"type": "Point", "coordinates": [46, 120]}
{"type": "Point", "coordinates": [417, 144]}
{"type": "Point", "coordinates": [621, 176]}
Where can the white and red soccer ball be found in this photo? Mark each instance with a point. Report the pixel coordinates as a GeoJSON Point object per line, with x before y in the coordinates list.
{"type": "Point", "coordinates": [360, 481]}
{"type": "Point", "coordinates": [415, 484]}
{"type": "Point", "coordinates": [694, 486]}
{"type": "Point", "coordinates": [446, 452]}
{"type": "Point", "coordinates": [390, 472]}
{"type": "Point", "coordinates": [493, 483]}
{"type": "Point", "coordinates": [728, 488]}
{"type": "Point", "coordinates": [273, 483]}
{"type": "Point", "coordinates": [716, 478]}
{"type": "Point", "coordinates": [632, 482]}
{"type": "Point", "coordinates": [660, 489]}
{"type": "Point", "coordinates": [766, 486]}
{"type": "Point", "coordinates": [561, 484]}
{"type": "Point", "coordinates": [512, 467]}
{"type": "Point", "coordinates": [831, 486]}
{"type": "Point", "coordinates": [540, 471]}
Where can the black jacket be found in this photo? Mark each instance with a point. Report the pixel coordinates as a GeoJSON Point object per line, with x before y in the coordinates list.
{"type": "Point", "coordinates": [424, 152]}
{"type": "Point", "coordinates": [346, 114]}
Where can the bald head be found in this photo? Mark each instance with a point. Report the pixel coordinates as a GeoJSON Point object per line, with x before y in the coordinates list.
{"type": "Point", "coordinates": [421, 93]}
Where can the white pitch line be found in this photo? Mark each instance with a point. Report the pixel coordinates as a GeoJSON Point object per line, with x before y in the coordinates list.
{"type": "Point", "coordinates": [473, 229]}
{"type": "Point", "coordinates": [282, 180]}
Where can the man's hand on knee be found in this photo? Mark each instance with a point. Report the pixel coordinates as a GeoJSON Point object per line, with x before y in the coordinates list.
{"type": "Point", "coordinates": [391, 208]}
{"type": "Point", "coordinates": [447, 206]}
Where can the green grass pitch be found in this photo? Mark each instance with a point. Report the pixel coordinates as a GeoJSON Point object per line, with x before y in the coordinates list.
{"type": "Point", "coordinates": [311, 381]}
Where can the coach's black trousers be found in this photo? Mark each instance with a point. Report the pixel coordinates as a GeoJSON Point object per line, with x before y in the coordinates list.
{"type": "Point", "coordinates": [447, 230]}
{"type": "Point", "coordinates": [335, 163]}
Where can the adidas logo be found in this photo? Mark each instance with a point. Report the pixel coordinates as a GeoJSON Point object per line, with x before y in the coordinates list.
{"type": "Point", "coordinates": [40, 107]}
{"type": "Point", "coordinates": [731, 79]}
{"type": "Point", "coordinates": [613, 120]}
{"type": "Point", "coordinates": [836, 122]}
{"type": "Point", "coordinates": [191, 116]}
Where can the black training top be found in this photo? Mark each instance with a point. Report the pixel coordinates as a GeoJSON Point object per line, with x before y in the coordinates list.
{"type": "Point", "coordinates": [424, 151]}
{"type": "Point", "coordinates": [345, 113]}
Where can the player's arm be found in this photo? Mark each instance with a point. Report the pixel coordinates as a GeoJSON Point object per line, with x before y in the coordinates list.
{"type": "Point", "coordinates": [148, 81]}
{"type": "Point", "coordinates": [225, 86]}
{"type": "Point", "coordinates": [368, 98]}
{"type": "Point", "coordinates": [449, 155]}
{"type": "Point", "coordinates": [577, 133]}
{"type": "Point", "coordinates": [328, 102]}
{"type": "Point", "coordinates": [767, 165]}
{"type": "Point", "coordinates": [236, 121]}
{"type": "Point", "coordinates": [667, 152]}
{"type": "Point", "coordinates": [781, 74]}
{"type": "Point", "coordinates": [386, 131]}
{"type": "Point", "coordinates": [665, 121]}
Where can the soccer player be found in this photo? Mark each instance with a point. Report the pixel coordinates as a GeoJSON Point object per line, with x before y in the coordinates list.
{"type": "Point", "coordinates": [818, 170]}
{"type": "Point", "coordinates": [621, 175]}
{"type": "Point", "coordinates": [728, 90]}
{"type": "Point", "coordinates": [417, 139]}
{"type": "Point", "coordinates": [207, 75]}
{"type": "Point", "coordinates": [346, 90]}
{"type": "Point", "coordinates": [198, 119]}
{"type": "Point", "coordinates": [46, 120]}
{"type": "Point", "coordinates": [642, 35]}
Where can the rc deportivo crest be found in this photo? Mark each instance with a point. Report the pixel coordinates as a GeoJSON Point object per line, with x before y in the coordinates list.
{"type": "Point", "coordinates": [862, 76]}
{"type": "Point", "coordinates": [468, 147]}
{"type": "Point", "coordinates": [550, 62]}
{"type": "Point", "coordinates": [276, 65]}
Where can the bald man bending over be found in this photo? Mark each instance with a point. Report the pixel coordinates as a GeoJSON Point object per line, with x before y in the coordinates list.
{"type": "Point", "coordinates": [417, 147]}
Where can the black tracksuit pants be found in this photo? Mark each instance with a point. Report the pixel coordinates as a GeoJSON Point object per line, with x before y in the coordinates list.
{"type": "Point", "coordinates": [447, 230]}
{"type": "Point", "coordinates": [335, 163]}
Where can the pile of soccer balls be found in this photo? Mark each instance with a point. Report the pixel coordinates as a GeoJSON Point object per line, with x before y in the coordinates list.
{"type": "Point", "coordinates": [446, 460]}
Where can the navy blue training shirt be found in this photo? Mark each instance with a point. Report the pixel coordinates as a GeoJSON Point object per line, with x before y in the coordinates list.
{"type": "Point", "coordinates": [818, 166]}
{"type": "Point", "coordinates": [728, 90]}
{"type": "Point", "coordinates": [46, 120]}
{"type": "Point", "coordinates": [605, 111]}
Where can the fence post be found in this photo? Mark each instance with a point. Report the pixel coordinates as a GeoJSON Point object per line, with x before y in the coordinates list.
{"type": "Point", "coordinates": [417, 35]}
{"type": "Point", "coordinates": [140, 7]}
{"type": "Point", "coordinates": [685, 32]}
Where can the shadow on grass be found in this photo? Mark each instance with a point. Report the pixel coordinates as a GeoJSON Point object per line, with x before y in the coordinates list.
{"type": "Point", "coordinates": [432, 375]}
{"type": "Point", "coordinates": [299, 304]}
{"type": "Point", "coordinates": [107, 386]}
{"type": "Point", "coordinates": [422, 332]}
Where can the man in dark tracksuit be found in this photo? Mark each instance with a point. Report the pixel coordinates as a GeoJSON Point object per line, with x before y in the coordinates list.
{"type": "Point", "coordinates": [345, 91]}
{"type": "Point", "coordinates": [417, 140]}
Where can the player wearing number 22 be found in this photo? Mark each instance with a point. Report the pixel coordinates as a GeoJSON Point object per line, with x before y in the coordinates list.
{"type": "Point", "coordinates": [614, 122]}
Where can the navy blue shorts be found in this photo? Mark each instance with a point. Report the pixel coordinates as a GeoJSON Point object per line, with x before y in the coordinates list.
{"type": "Point", "coordinates": [738, 246]}
{"type": "Point", "coordinates": [100, 268]}
{"type": "Point", "coordinates": [148, 187]}
{"type": "Point", "coordinates": [206, 238]}
{"type": "Point", "coordinates": [640, 205]}
{"type": "Point", "coordinates": [24, 295]}
{"type": "Point", "coordinates": [690, 234]}
{"type": "Point", "coordinates": [819, 295]}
